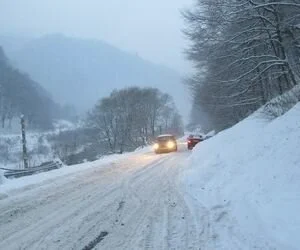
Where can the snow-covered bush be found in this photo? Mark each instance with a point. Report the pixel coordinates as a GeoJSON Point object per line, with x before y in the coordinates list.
{"type": "Point", "coordinates": [42, 146]}
{"type": "Point", "coordinates": [281, 104]}
{"type": "Point", "coordinates": [10, 149]}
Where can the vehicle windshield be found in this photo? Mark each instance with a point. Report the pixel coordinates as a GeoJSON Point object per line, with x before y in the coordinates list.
{"type": "Point", "coordinates": [166, 138]}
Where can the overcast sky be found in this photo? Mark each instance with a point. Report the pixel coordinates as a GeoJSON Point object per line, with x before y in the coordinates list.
{"type": "Point", "coordinates": [150, 28]}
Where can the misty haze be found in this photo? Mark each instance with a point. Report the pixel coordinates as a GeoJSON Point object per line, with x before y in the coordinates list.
{"type": "Point", "coordinates": [131, 124]}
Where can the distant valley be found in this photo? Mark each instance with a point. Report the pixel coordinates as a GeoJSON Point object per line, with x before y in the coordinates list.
{"type": "Point", "coordinates": [79, 72]}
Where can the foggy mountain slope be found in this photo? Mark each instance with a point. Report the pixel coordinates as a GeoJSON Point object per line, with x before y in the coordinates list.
{"type": "Point", "coordinates": [19, 94]}
{"type": "Point", "coordinates": [11, 43]}
{"type": "Point", "coordinates": [79, 72]}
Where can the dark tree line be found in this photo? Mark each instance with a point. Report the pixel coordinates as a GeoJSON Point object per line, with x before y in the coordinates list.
{"type": "Point", "coordinates": [21, 95]}
{"type": "Point", "coordinates": [245, 52]}
{"type": "Point", "coordinates": [131, 117]}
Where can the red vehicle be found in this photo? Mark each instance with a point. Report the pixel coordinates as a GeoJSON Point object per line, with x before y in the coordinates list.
{"type": "Point", "coordinates": [192, 140]}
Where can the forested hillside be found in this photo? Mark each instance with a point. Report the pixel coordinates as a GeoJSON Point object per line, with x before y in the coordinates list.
{"type": "Point", "coordinates": [19, 94]}
{"type": "Point", "coordinates": [78, 72]}
{"type": "Point", "coordinates": [245, 53]}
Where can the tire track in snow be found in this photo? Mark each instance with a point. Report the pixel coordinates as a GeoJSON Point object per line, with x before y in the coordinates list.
{"type": "Point", "coordinates": [134, 216]}
{"type": "Point", "coordinates": [149, 221]}
{"type": "Point", "coordinates": [63, 209]}
{"type": "Point", "coordinates": [133, 201]}
{"type": "Point", "coordinates": [96, 241]}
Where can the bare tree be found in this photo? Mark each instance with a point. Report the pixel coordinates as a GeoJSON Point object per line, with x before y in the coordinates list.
{"type": "Point", "coordinates": [130, 117]}
{"type": "Point", "coordinates": [248, 52]}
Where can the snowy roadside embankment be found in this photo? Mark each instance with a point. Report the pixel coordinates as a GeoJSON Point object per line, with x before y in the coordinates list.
{"type": "Point", "coordinates": [2, 178]}
{"type": "Point", "coordinates": [8, 185]}
{"type": "Point", "coordinates": [247, 179]}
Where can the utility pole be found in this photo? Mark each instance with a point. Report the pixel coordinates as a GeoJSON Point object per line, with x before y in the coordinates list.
{"type": "Point", "coordinates": [25, 155]}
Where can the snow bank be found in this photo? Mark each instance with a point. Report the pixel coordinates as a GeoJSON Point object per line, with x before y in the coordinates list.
{"type": "Point", "coordinates": [281, 104]}
{"type": "Point", "coordinates": [64, 125]}
{"type": "Point", "coordinates": [2, 178]}
{"type": "Point", "coordinates": [12, 184]}
{"type": "Point", "coordinates": [247, 179]}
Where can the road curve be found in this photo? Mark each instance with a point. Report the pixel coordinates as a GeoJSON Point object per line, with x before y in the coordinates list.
{"type": "Point", "coordinates": [135, 203]}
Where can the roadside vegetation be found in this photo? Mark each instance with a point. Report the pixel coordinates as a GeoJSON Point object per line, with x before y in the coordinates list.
{"type": "Point", "coordinates": [245, 53]}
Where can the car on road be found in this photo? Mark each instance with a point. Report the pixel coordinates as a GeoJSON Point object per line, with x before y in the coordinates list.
{"type": "Point", "coordinates": [165, 144]}
{"type": "Point", "coordinates": [193, 140]}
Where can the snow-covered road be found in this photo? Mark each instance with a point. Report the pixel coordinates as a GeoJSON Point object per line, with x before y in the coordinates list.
{"type": "Point", "coordinates": [134, 203]}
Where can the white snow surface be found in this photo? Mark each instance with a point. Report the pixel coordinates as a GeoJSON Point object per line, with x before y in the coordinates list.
{"type": "Point", "coordinates": [237, 190]}
{"type": "Point", "coordinates": [2, 178]}
{"type": "Point", "coordinates": [11, 184]}
{"type": "Point", "coordinates": [246, 182]}
{"type": "Point", "coordinates": [135, 198]}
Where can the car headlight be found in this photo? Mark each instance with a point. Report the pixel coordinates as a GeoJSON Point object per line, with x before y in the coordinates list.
{"type": "Point", "coordinates": [155, 146]}
{"type": "Point", "coordinates": [170, 144]}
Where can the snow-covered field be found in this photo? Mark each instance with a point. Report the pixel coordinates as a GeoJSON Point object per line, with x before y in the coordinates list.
{"type": "Point", "coordinates": [246, 182]}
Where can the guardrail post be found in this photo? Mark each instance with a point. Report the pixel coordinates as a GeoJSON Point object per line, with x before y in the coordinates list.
{"type": "Point", "coordinates": [25, 155]}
